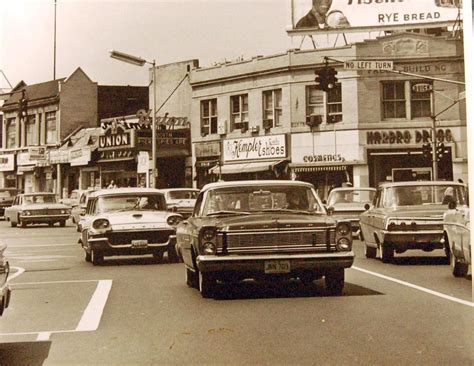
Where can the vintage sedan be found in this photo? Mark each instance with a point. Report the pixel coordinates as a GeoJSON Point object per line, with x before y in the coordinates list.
{"type": "Point", "coordinates": [37, 208]}
{"type": "Point", "coordinates": [128, 221]}
{"type": "Point", "coordinates": [456, 225]}
{"type": "Point", "coordinates": [181, 200]}
{"type": "Point", "coordinates": [408, 215]}
{"type": "Point", "coordinates": [7, 195]}
{"type": "Point", "coordinates": [263, 230]}
{"type": "Point", "coordinates": [77, 211]}
{"type": "Point", "coordinates": [5, 292]}
{"type": "Point", "coordinates": [349, 202]}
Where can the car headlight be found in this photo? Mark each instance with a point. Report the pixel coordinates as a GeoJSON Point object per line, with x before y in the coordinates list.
{"type": "Point", "coordinates": [208, 247]}
{"type": "Point", "coordinates": [26, 213]}
{"type": "Point", "coordinates": [343, 229]}
{"type": "Point", "coordinates": [344, 244]}
{"type": "Point", "coordinates": [65, 212]}
{"type": "Point", "coordinates": [208, 234]}
{"type": "Point", "coordinates": [101, 224]}
{"type": "Point", "coordinates": [174, 220]}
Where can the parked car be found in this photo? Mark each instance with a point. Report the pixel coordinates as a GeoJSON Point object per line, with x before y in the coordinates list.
{"type": "Point", "coordinates": [457, 233]}
{"type": "Point", "coordinates": [78, 210]}
{"type": "Point", "coordinates": [181, 200]}
{"type": "Point", "coordinates": [37, 208]}
{"type": "Point", "coordinates": [408, 215]}
{"type": "Point", "coordinates": [5, 291]}
{"type": "Point", "coordinates": [73, 199]}
{"type": "Point", "coordinates": [263, 229]}
{"type": "Point", "coordinates": [7, 195]}
{"type": "Point", "coordinates": [128, 221]}
{"type": "Point", "coordinates": [349, 202]}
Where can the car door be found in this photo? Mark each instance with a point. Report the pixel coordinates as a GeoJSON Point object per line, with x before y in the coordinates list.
{"type": "Point", "coordinates": [367, 219]}
{"type": "Point", "coordinates": [14, 209]}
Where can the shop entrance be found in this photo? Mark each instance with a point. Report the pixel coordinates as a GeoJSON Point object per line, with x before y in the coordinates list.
{"type": "Point", "coordinates": [411, 174]}
{"type": "Point", "coordinates": [326, 178]}
{"type": "Point", "coordinates": [171, 172]}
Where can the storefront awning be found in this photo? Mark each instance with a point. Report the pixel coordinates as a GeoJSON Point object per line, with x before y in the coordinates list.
{"type": "Point", "coordinates": [245, 167]}
{"type": "Point", "coordinates": [318, 168]}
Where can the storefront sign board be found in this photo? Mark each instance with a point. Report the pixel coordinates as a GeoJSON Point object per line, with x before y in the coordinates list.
{"type": "Point", "coordinates": [59, 156]}
{"type": "Point", "coordinates": [203, 150]}
{"type": "Point", "coordinates": [255, 148]}
{"type": "Point", "coordinates": [7, 163]}
{"type": "Point", "coordinates": [368, 65]}
{"type": "Point", "coordinates": [80, 156]}
{"type": "Point", "coordinates": [407, 137]}
{"type": "Point", "coordinates": [143, 163]}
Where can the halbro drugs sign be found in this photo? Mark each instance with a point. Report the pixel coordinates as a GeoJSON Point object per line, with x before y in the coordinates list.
{"type": "Point", "coordinates": [329, 16]}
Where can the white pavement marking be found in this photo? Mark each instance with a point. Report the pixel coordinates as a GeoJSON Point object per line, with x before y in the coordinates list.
{"type": "Point", "coordinates": [18, 272]}
{"type": "Point", "coordinates": [416, 287]}
{"type": "Point", "coordinates": [11, 246]}
{"type": "Point", "coordinates": [53, 282]}
{"type": "Point", "coordinates": [43, 336]}
{"type": "Point", "coordinates": [91, 318]}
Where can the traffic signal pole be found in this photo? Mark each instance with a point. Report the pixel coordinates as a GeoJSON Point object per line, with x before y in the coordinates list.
{"type": "Point", "coordinates": [434, 144]}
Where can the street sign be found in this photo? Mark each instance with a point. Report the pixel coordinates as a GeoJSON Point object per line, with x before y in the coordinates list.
{"type": "Point", "coordinates": [368, 65]}
{"type": "Point", "coordinates": [422, 87]}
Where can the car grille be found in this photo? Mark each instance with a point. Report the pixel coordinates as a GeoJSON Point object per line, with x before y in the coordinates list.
{"type": "Point", "coordinates": [415, 226]}
{"type": "Point", "coordinates": [277, 241]}
{"type": "Point", "coordinates": [46, 212]}
{"type": "Point", "coordinates": [126, 237]}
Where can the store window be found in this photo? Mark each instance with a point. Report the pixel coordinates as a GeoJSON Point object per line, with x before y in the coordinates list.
{"type": "Point", "coordinates": [401, 100]}
{"type": "Point", "coordinates": [272, 109]}
{"type": "Point", "coordinates": [11, 133]}
{"type": "Point", "coordinates": [208, 116]}
{"type": "Point", "coordinates": [322, 106]}
{"type": "Point", "coordinates": [239, 112]}
{"type": "Point", "coordinates": [30, 126]}
{"type": "Point", "coordinates": [50, 127]}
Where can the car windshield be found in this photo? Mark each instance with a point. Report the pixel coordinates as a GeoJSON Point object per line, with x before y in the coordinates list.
{"type": "Point", "coordinates": [183, 195]}
{"type": "Point", "coordinates": [424, 195]}
{"type": "Point", "coordinates": [350, 197]}
{"type": "Point", "coordinates": [131, 202]}
{"type": "Point", "coordinates": [40, 198]}
{"type": "Point", "coordinates": [248, 199]}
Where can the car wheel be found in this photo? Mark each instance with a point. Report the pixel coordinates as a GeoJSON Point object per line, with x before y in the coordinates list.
{"type": "Point", "coordinates": [459, 269]}
{"type": "Point", "coordinates": [158, 257]}
{"type": "Point", "coordinates": [12, 224]}
{"type": "Point", "coordinates": [386, 253]}
{"type": "Point", "coordinates": [334, 281]}
{"type": "Point", "coordinates": [191, 278]}
{"type": "Point", "coordinates": [62, 223]}
{"type": "Point", "coordinates": [206, 284]}
{"type": "Point", "coordinates": [370, 252]}
{"type": "Point", "coordinates": [88, 257]}
{"type": "Point", "coordinates": [96, 258]}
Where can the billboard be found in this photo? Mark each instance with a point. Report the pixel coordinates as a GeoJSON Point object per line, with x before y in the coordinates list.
{"type": "Point", "coordinates": [336, 16]}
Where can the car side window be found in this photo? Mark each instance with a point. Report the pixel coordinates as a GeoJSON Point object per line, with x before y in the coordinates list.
{"type": "Point", "coordinates": [89, 207]}
{"type": "Point", "coordinates": [197, 205]}
{"type": "Point", "coordinates": [377, 198]}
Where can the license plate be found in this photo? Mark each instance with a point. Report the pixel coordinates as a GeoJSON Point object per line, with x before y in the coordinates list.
{"type": "Point", "coordinates": [139, 243]}
{"type": "Point", "coordinates": [277, 266]}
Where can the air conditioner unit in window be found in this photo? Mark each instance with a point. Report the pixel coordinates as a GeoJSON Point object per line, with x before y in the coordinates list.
{"type": "Point", "coordinates": [255, 129]}
{"type": "Point", "coordinates": [333, 118]}
{"type": "Point", "coordinates": [267, 124]}
{"type": "Point", "coordinates": [313, 121]}
{"type": "Point", "coordinates": [244, 129]}
{"type": "Point", "coordinates": [204, 133]}
{"type": "Point", "coordinates": [222, 127]}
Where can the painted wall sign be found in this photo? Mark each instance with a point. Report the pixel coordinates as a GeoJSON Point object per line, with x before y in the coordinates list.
{"type": "Point", "coordinates": [405, 137]}
{"type": "Point", "coordinates": [116, 136]}
{"type": "Point", "coordinates": [7, 162]}
{"type": "Point", "coordinates": [255, 148]}
{"type": "Point", "coordinates": [37, 153]}
{"type": "Point", "coordinates": [354, 15]}
{"type": "Point", "coordinates": [323, 158]}
{"type": "Point", "coordinates": [80, 156]}
{"type": "Point", "coordinates": [116, 154]}
{"type": "Point", "coordinates": [207, 149]}
{"type": "Point", "coordinates": [58, 156]}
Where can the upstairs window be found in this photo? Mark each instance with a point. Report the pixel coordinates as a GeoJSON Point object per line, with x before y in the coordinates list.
{"type": "Point", "coordinates": [30, 133]}
{"type": "Point", "coordinates": [402, 100]}
{"type": "Point", "coordinates": [272, 109]}
{"type": "Point", "coordinates": [11, 133]}
{"type": "Point", "coordinates": [50, 127]}
{"type": "Point", "coordinates": [208, 116]}
{"type": "Point", "coordinates": [239, 105]}
{"type": "Point", "coordinates": [393, 99]}
{"type": "Point", "coordinates": [420, 100]}
{"type": "Point", "coordinates": [321, 106]}
{"type": "Point", "coordinates": [334, 104]}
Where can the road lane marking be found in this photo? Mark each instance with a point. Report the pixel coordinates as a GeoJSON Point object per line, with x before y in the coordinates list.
{"type": "Point", "coordinates": [91, 318]}
{"type": "Point", "coordinates": [12, 246]}
{"type": "Point", "coordinates": [18, 272]}
{"type": "Point", "coordinates": [43, 336]}
{"type": "Point", "coordinates": [54, 282]}
{"type": "Point", "coordinates": [416, 287]}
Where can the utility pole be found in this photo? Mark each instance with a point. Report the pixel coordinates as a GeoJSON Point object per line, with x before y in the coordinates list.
{"type": "Point", "coordinates": [434, 144]}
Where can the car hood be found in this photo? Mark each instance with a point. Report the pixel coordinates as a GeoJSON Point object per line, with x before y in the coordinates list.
{"type": "Point", "coordinates": [137, 218]}
{"type": "Point", "coordinates": [435, 211]}
{"type": "Point", "coordinates": [273, 220]}
{"type": "Point", "coordinates": [44, 206]}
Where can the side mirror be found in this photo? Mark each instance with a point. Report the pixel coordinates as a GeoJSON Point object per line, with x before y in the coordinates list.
{"type": "Point", "coordinates": [366, 206]}
{"type": "Point", "coordinates": [324, 202]}
{"type": "Point", "coordinates": [330, 210]}
{"type": "Point", "coordinates": [452, 205]}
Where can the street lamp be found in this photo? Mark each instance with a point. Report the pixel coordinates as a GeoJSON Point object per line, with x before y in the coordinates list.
{"type": "Point", "coordinates": [138, 61]}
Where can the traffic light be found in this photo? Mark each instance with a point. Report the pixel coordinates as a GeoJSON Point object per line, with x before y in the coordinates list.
{"type": "Point", "coordinates": [427, 152]}
{"type": "Point", "coordinates": [331, 77]}
{"type": "Point", "coordinates": [441, 151]}
{"type": "Point", "coordinates": [326, 78]}
{"type": "Point", "coordinates": [23, 105]}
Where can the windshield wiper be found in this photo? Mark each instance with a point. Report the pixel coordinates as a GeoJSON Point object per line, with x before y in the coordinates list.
{"type": "Point", "coordinates": [223, 212]}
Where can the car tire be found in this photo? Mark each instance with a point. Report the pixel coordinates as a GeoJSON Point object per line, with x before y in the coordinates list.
{"type": "Point", "coordinates": [206, 283]}
{"type": "Point", "coordinates": [158, 257]}
{"type": "Point", "coordinates": [172, 255]}
{"type": "Point", "coordinates": [12, 224]}
{"type": "Point", "coordinates": [62, 223]}
{"type": "Point", "coordinates": [96, 257]}
{"type": "Point", "coordinates": [191, 278]}
{"type": "Point", "coordinates": [88, 257]}
{"type": "Point", "coordinates": [334, 281]}
{"type": "Point", "coordinates": [370, 252]}
{"type": "Point", "coordinates": [459, 269]}
{"type": "Point", "coordinates": [386, 253]}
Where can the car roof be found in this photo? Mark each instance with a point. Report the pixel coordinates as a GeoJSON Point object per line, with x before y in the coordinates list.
{"type": "Point", "coordinates": [37, 193]}
{"type": "Point", "coordinates": [255, 182]}
{"type": "Point", "coordinates": [118, 191]}
{"type": "Point", "coordinates": [178, 189]}
{"type": "Point", "coordinates": [421, 183]}
{"type": "Point", "coordinates": [339, 189]}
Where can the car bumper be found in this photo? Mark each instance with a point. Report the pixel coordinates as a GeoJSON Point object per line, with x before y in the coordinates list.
{"type": "Point", "coordinates": [5, 299]}
{"type": "Point", "coordinates": [429, 239]}
{"type": "Point", "coordinates": [102, 244]}
{"type": "Point", "coordinates": [256, 263]}
{"type": "Point", "coordinates": [41, 219]}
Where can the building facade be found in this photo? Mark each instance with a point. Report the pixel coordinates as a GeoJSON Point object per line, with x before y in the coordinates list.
{"type": "Point", "coordinates": [265, 117]}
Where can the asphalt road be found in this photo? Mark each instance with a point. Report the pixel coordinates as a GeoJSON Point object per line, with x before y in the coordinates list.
{"type": "Point", "coordinates": [65, 311]}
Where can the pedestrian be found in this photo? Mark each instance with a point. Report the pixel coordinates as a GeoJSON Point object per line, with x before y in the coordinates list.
{"type": "Point", "coordinates": [112, 184]}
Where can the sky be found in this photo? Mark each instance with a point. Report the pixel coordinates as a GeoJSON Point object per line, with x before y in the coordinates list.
{"type": "Point", "coordinates": [167, 31]}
